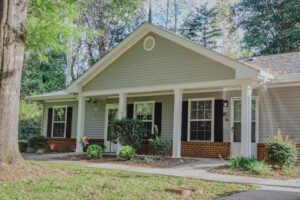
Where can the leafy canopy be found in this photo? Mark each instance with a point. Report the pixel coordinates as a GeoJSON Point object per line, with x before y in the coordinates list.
{"type": "Point", "coordinates": [271, 26]}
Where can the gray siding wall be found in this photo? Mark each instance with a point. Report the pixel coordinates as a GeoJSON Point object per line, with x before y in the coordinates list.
{"type": "Point", "coordinates": [167, 63]}
{"type": "Point", "coordinates": [276, 105]}
{"type": "Point", "coordinates": [72, 104]}
{"type": "Point", "coordinates": [279, 105]}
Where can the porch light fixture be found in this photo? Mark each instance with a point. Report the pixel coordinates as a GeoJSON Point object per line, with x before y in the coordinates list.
{"type": "Point", "coordinates": [225, 104]}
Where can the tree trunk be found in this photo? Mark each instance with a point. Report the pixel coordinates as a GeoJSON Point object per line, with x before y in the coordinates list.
{"type": "Point", "coordinates": [12, 41]}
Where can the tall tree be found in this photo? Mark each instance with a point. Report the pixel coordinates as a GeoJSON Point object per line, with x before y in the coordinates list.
{"type": "Point", "coordinates": [12, 44]}
{"type": "Point", "coordinates": [270, 26]}
{"type": "Point", "coordinates": [39, 76]}
{"type": "Point", "coordinates": [201, 27]}
{"type": "Point", "coordinates": [226, 21]}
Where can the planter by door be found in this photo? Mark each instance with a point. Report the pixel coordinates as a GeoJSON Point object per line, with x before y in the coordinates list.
{"type": "Point", "coordinates": [111, 113]}
{"type": "Point", "coordinates": [236, 126]}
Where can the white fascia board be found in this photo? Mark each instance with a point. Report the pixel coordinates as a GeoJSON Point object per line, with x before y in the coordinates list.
{"type": "Point", "coordinates": [197, 85]}
{"type": "Point", "coordinates": [44, 98]}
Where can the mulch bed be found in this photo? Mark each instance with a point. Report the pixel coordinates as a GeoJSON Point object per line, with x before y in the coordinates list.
{"type": "Point", "coordinates": [139, 161]}
{"type": "Point", "coordinates": [285, 174]}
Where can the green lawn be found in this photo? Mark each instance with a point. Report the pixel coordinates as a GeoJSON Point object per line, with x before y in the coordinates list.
{"type": "Point", "coordinates": [94, 183]}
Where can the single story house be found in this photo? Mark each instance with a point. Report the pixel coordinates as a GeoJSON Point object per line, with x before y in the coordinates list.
{"type": "Point", "coordinates": [208, 104]}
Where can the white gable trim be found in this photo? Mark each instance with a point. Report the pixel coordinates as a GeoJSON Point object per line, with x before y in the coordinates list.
{"type": "Point", "coordinates": [241, 70]}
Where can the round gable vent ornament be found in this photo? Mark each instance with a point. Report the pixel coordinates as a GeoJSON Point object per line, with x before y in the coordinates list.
{"type": "Point", "coordinates": [149, 43]}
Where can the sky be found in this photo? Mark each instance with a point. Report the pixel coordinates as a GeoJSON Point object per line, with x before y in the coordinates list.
{"type": "Point", "coordinates": [186, 6]}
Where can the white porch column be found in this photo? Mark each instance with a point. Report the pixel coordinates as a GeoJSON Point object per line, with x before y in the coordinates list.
{"type": "Point", "coordinates": [122, 112]}
{"type": "Point", "coordinates": [177, 123]}
{"type": "Point", "coordinates": [80, 121]}
{"type": "Point", "coordinates": [246, 119]}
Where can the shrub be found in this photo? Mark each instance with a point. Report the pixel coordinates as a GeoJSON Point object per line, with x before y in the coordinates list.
{"type": "Point", "coordinates": [161, 146]}
{"type": "Point", "coordinates": [94, 151]}
{"type": "Point", "coordinates": [281, 152]}
{"type": "Point", "coordinates": [40, 151]}
{"type": "Point", "coordinates": [249, 164]}
{"type": "Point", "coordinates": [258, 167]}
{"type": "Point", "coordinates": [127, 152]}
{"type": "Point", "coordinates": [128, 132]}
{"type": "Point", "coordinates": [23, 145]}
{"type": "Point", "coordinates": [38, 142]}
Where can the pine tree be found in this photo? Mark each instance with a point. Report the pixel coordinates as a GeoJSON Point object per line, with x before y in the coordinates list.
{"type": "Point", "coordinates": [201, 27]}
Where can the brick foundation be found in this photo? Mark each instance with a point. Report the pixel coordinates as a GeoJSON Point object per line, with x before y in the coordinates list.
{"type": "Point", "coordinates": [261, 149]}
{"type": "Point", "coordinates": [64, 144]}
{"type": "Point", "coordinates": [205, 149]}
{"type": "Point", "coordinates": [195, 149]}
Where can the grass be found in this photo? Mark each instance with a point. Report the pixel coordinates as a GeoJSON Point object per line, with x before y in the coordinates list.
{"type": "Point", "coordinates": [251, 167]}
{"type": "Point", "coordinates": [95, 183]}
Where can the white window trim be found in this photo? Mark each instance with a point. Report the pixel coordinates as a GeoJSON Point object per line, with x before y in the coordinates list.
{"type": "Point", "coordinates": [66, 117]}
{"type": "Point", "coordinates": [256, 119]}
{"type": "Point", "coordinates": [153, 112]}
{"type": "Point", "coordinates": [212, 119]}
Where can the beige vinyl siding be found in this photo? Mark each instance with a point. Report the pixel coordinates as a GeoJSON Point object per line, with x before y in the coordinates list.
{"type": "Point", "coordinates": [94, 119]}
{"type": "Point", "coordinates": [72, 104]}
{"type": "Point", "coordinates": [167, 63]}
{"type": "Point", "coordinates": [282, 106]}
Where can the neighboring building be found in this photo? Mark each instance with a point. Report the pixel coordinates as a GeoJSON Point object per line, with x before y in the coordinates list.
{"type": "Point", "coordinates": [209, 105]}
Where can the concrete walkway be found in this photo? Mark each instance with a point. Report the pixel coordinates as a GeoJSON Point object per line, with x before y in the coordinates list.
{"type": "Point", "coordinates": [269, 188]}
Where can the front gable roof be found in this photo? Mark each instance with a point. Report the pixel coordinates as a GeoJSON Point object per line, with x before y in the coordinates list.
{"type": "Point", "coordinates": [241, 70]}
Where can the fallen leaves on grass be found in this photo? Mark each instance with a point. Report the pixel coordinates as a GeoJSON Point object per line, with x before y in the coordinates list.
{"type": "Point", "coordinates": [25, 171]}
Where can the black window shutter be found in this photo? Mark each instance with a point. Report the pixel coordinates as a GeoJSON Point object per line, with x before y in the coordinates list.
{"type": "Point", "coordinates": [69, 122]}
{"type": "Point", "coordinates": [157, 116]}
{"type": "Point", "coordinates": [184, 120]}
{"type": "Point", "coordinates": [49, 125]}
{"type": "Point", "coordinates": [218, 135]}
{"type": "Point", "coordinates": [130, 111]}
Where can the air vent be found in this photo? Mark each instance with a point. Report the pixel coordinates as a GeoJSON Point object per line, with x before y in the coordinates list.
{"type": "Point", "coordinates": [149, 43]}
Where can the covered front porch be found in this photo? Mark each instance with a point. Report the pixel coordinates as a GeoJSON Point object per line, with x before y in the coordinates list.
{"type": "Point", "coordinates": [206, 119]}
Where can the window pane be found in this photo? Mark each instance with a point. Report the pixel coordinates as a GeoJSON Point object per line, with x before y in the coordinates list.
{"type": "Point", "coordinates": [253, 132]}
{"type": "Point", "coordinates": [237, 110]}
{"type": "Point", "coordinates": [208, 104]}
{"type": "Point", "coordinates": [200, 114]}
{"type": "Point", "coordinates": [194, 114]}
{"type": "Point", "coordinates": [58, 129]}
{"type": "Point", "coordinates": [253, 110]}
{"type": "Point", "coordinates": [144, 111]}
{"type": "Point", "coordinates": [200, 104]}
{"type": "Point", "coordinates": [208, 114]}
{"type": "Point", "coordinates": [200, 130]}
{"type": "Point", "coordinates": [194, 105]}
{"type": "Point", "coordinates": [148, 129]}
{"type": "Point", "coordinates": [59, 114]}
{"type": "Point", "coordinates": [237, 131]}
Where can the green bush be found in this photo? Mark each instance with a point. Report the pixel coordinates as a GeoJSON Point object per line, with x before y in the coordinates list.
{"type": "Point", "coordinates": [161, 146]}
{"type": "Point", "coordinates": [40, 151]}
{"type": "Point", "coordinates": [128, 132]}
{"type": "Point", "coordinates": [127, 152]}
{"type": "Point", "coordinates": [249, 164]}
{"type": "Point", "coordinates": [38, 142]}
{"type": "Point", "coordinates": [94, 151]}
{"type": "Point", "coordinates": [281, 152]}
{"type": "Point", "coordinates": [23, 145]}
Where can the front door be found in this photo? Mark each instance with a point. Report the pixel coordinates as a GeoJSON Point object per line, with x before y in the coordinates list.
{"type": "Point", "coordinates": [111, 113]}
{"type": "Point", "coordinates": [236, 126]}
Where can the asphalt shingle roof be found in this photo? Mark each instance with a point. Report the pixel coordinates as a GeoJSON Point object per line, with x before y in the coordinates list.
{"type": "Point", "coordinates": [284, 63]}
